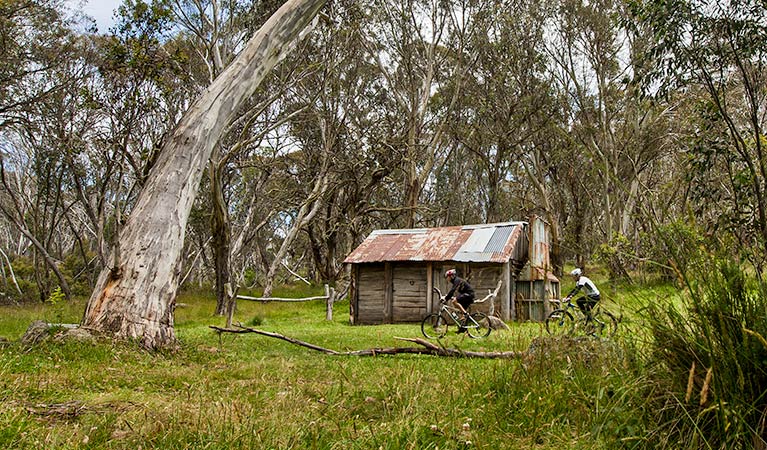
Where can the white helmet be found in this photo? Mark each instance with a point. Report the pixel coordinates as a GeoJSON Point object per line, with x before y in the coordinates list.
{"type": "Point", "coordinates": [576, 272]}
{"type": "Point", "coordinates": [450, 273]}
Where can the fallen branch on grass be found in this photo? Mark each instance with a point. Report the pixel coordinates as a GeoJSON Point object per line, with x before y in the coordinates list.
{"type": "Point", "coordinates": [68, 410]}
{"type": "Point", "coordinates": [427, 348]}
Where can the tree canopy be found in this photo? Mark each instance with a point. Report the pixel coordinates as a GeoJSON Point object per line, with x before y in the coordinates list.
{"type": "Point", "coordinates": [615, 121]}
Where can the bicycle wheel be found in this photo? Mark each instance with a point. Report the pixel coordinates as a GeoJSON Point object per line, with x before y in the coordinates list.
{"type": "Point", "coordinates": [559, 322]}
{"type": "Point", "coordinates": [605, 323]}
{"type": "Point", "coordinates": [584, 326]}
{"type": "Point", "coordinates": [478, 325]}
{"type": "Point", "coordinates": [434, 326]}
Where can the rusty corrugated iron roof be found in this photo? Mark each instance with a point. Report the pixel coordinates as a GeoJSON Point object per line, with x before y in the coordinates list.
{"type": "Point", "coordinates": [470, 243]}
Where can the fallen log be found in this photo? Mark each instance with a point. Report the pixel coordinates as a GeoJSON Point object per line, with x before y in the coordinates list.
{"type": "Point", "coordinates": [427, 348]}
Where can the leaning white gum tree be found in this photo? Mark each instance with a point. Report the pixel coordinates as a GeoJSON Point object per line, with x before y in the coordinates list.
{"type": "Point", "coordinates": [135, 295]}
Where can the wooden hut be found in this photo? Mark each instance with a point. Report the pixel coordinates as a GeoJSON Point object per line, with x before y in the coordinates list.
{"type": "Point", "coordinates": [394, 271]}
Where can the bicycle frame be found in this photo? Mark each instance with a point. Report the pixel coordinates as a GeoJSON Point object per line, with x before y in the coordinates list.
{"type": "Point", "coordinates": [586, 316]}
{"type": "Point", "coordinates": [596, 322]}
{"type": "Point", "coordinates": [452, 312]}
{"type": "Point", "coordinates": [435, 324]}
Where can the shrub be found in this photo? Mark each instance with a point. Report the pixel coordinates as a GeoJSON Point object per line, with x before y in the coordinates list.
{"type": "Point", "coordinates": [672, 249]}
{"type": "Point", "coordinates": [709, 361]}
{"type": "Point", "coordinates": [80, 273]}
{"type": "Point", "coordinates": [616, 256]}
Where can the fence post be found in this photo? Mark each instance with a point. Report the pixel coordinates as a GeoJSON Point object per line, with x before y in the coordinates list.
{"type": "Point", "coordinates": [331, 300]}
{"type": "Point", "coordinates": [231, 304]}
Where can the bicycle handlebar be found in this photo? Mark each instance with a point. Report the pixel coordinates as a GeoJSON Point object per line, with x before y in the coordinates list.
{"type": "Point", "coordinates": [442, 298]}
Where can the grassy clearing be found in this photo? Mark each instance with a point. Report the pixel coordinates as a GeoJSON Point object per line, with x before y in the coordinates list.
{"type": "Point", "coordinates": [248, 391]}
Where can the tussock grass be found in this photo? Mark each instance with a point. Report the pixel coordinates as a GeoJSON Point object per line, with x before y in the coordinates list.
{"type": "Point", "coordinates": [249, 391]}
{"type": "Point", "coordinates": [709, 362]}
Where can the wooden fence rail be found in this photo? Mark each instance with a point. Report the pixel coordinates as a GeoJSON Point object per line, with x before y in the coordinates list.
{"type": "Point", "coordinates": [329, 297]}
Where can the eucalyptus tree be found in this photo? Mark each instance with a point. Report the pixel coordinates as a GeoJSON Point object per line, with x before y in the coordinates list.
{"type": "Point", "coordinates": [134, 297]}
{"type": "Point", "coordinates": [53, 140]}
{"type": "Point", "coordinates": [339, 124]}
{"type": "Point", "coordinates": [604, 123]}
{"type": "Point", "coordinates": [35, 40]}
{"type": "Point", "coordinates": [31, 199]}
{"type": "Point", "coordinates": [146, 84]}
{"type": "Point", "coordinates": [216, 31]}
{"type": "Point", "coordinates": [324, 99]}
{"type": "Point", "coordinates": [409, 40]}
{"type": "Point", "coordinates": [100, 106]}
{"type": "Point", "coordinates": [38, 54]}
{"type": "Point", "coordinates": [503, 102]}
{"type": "Point", "coordinates": [131, 94]}
{"type": "Point", "coordinates": [718, 49]}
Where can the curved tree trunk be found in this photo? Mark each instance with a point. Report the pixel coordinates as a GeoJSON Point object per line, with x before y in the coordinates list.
{"type": "Point", "coordinates": [135, 297]}
{"type": "Point", "coordinates": [306, 213]}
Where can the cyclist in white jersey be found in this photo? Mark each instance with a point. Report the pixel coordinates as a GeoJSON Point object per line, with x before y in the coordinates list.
{"type": "Point", "coordinates": [585, 302]}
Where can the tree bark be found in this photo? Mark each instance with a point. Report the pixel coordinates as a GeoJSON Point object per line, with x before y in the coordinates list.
{"type": "Point", "coordinates": [221, 230]}
{"type": "Point", "coordinates": [134, 298]}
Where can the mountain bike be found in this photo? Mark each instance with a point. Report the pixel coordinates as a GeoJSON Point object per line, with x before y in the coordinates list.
{"type": "Point", "coordinates": [568, 319]}
{"type": "Point", "coordinates": [436, 325]}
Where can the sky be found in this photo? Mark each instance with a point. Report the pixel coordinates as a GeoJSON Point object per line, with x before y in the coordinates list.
{"type": "Point", "coordinates": [101, 10]}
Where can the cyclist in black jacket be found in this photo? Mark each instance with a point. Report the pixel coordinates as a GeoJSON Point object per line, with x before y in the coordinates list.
{"type": "Point", "coordinates": [464, 293]}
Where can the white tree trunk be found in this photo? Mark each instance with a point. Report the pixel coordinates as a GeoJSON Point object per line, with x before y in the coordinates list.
{"type": "Point", "coordinates": [135, 297]}
{"type": "Point", "coordinates": [306, 213]}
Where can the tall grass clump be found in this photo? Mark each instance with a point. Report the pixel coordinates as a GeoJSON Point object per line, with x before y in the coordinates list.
{"type": "Point", "coordinates": [708, 361]}
{"type": "Point", "coordinates": [571, 392]}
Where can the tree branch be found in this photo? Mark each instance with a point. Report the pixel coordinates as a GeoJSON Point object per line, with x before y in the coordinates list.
{"type": "Point", "coordinates": [427, 348]}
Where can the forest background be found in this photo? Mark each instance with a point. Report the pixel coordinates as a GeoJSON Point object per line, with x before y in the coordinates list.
{"type": "Point", "coordinates": [613, 120]}
{"type": "Point", "coordinates": [634, 128]}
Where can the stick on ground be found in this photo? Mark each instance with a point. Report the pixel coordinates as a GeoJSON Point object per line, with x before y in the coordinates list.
{"type": "Point", "coordinates": [427, 348]}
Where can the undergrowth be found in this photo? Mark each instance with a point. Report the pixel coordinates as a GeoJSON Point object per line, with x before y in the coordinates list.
{"type": "Point", "coordinates": [709, 362]}
{"type": "Point", "coordinates": [249, 391]}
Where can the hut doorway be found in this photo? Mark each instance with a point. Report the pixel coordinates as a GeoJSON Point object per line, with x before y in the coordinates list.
{"type": "Point", "coordinates": [409, 293]}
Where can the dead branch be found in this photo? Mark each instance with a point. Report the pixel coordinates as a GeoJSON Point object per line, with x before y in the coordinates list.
{"type": "Point", "coordinates": [427, 348]}
{"type": "Point", "coordinates": [495, 322]}
{"type": "Point", "coordinates": [66, 410]}
{"type": "Point", "coordinates": [491, 294]}
{"type": "Point", "coordinates": [240, 330]}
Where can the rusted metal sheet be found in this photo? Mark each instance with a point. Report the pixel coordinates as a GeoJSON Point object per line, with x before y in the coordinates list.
{"type": "Point", "coordinates": [474, 243]}
{"type": "Point", "coordinates": [540, 264]}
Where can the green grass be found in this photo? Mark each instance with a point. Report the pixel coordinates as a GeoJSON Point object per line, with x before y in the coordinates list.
{"type": "Point", "coordinates": [249, 391]}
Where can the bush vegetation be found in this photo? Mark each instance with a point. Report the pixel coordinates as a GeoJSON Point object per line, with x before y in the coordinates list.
{"type": "Point", "coordinates": [708, 362]}
{"type": "Point", "coordinates": [248, 391]}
